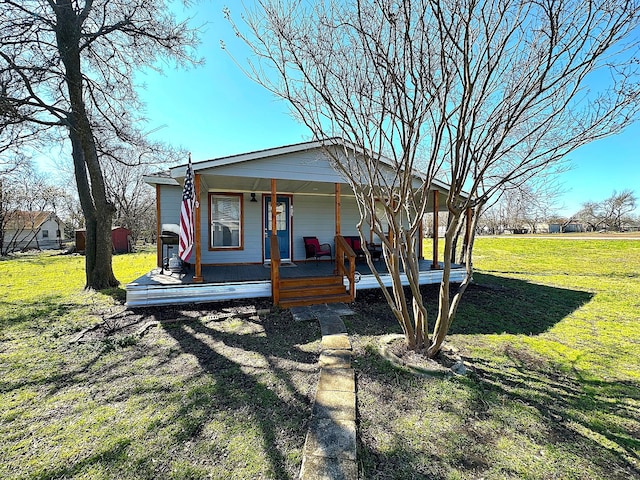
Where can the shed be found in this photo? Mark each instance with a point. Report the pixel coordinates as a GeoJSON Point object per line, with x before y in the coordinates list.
{"type": "Point", "coordinates": [120, 239]}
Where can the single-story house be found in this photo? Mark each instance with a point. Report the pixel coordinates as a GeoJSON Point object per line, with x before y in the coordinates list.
{"type": "Point", "coordinates": [241, 199]}
{"type": "Point", "coordinates": [570, 227]}
{"type": "Point", "coordinates": [39, 230]}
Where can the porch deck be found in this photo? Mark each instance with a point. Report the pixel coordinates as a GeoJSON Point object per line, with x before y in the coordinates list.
{"type": "Point", "coordinates": [252, 281]}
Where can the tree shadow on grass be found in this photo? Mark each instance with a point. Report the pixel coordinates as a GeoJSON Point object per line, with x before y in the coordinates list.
{"type": "Point", "coordinates": [249, 378]}
{"type": "Point", "coordinates": [239, 394]}
{"type": "Point", "coordinates": [32, 312]}
{"type": "Point", "coordinates": [558, 426]}
{"type": "Point", "coordinates": [595, 418]}
{"type": "Point", "coordinates": [490, 305]}
{"type": "Point", "coordinates": [119, 294]}
{"type": "Point", "coordinates": [216, 398]}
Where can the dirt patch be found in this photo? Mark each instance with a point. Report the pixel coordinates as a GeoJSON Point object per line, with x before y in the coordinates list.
{"type": "Point", "coordinates": [446, 358]}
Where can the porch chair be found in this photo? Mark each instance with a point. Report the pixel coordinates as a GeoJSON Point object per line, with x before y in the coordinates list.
{"type": "Point", "coordinates": [314, 249]}
{"type": "Point", "coordinates": [356, 245]}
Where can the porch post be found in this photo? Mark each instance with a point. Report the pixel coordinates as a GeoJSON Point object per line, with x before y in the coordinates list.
{"type": "Point", "coordinates": [274, 223]}
{"type": "Point", "coordinates": [197, 277]}
{"type": "Point", "coordinates": [467, 233]}
{"type": "Point", "coordinates": [338, 205]}
{"type": "Point", "coordinates": [158, 228]}
{"type": "Point", "coordinates": [434, 262]}
{"type": "Point", "coordinates": [274, 247]}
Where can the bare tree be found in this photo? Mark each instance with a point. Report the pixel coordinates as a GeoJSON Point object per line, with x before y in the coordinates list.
{"type": "Point", "coordinates": [133, 198]}
{"type": "Point", "coordinates": [612, 212]}
{"type": "Point", "coordinates": [10, 204]}
{"type": "Point", "coordinates": [591, 215]}
{"type": "Point", "coordinates": [68, 65]}
{"type": "Point", "coordinates": [23, 194]}
{"type": "Point", "coordinates": [524, 207]}
{"type": "Point", "coordinates": [479, 94]}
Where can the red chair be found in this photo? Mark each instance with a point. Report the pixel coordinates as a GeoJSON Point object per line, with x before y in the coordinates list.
{"type": "Point", "coordinates": [314, 249]}
{"type": "Point", "coordinates": [356, 245]}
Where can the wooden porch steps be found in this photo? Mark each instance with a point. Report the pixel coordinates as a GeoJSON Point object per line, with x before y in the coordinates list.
{"type": "Point", "coordinates": [298, 292]}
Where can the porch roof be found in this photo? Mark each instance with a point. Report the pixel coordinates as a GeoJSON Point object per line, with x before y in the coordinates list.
{"type": "Point", "coordinates": [253, 171]}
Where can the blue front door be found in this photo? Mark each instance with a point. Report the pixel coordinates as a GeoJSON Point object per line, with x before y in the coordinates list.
{"type": "Point", "coordinates": [283, 225]}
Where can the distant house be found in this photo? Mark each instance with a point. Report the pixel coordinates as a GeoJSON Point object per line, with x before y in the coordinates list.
{"type": "Point", "coordinates": [32, 230]}
{"type": "Point", "coordinates": [571, 227]}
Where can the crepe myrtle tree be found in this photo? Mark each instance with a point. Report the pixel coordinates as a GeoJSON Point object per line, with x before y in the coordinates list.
{"type": "Point", "coordinates": [67, 68]}
{"type": "Point", "coordinates": [480, 94]}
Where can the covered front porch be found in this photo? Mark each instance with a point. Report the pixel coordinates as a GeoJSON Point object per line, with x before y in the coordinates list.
{"type": "Point", "coordinates": [227, 282]}
{"type": "Point", "coordinates": [252, 215]}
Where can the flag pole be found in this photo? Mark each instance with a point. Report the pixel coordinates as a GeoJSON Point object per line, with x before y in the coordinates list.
{"type": "Point", "coordinates": [197, 277]}
{"type": "Point", "coordinates": [186, 215]}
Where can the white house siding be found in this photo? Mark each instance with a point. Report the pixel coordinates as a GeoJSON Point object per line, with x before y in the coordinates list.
{"type": "Point", "coordinates": [26, 239]}
{"type": "Point", "coordinates": [302, 166]}
{"type": "Point", "coordinates": [52, 240]}
{"type": "Point", "coordinates": [170, 200]}
{"type": "Point", "coordinates": [313, 216]}
{"type": "Point", "coordinates": [349, 216]}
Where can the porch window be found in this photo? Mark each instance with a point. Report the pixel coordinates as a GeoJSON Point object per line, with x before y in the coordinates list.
{"type": "Point", "coordinates": [225, 221]}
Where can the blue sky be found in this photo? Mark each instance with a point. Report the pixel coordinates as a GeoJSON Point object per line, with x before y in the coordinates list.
{"type": "Point", "coordinates": [215, 110]}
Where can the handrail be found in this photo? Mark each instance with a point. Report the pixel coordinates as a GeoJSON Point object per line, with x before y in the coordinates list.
{"type": "Point", "coordinates": [275, 269]}
{"type": "Point", "coordinates": [342, 249]}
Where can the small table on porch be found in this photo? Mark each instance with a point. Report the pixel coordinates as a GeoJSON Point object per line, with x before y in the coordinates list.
{"type": "Point", "coordinates": [375, 249]}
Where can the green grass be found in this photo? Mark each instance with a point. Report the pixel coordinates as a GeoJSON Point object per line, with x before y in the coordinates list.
{"type": "Point", "coordinates": [212, 396]}
{"type": "Point", "coordinates": [550, 331]}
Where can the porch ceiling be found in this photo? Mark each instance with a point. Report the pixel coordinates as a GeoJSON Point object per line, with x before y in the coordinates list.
{"type": "Point", "coordinates": [247, 184]}
{"type": "Point", "coordinates": [224, 183]}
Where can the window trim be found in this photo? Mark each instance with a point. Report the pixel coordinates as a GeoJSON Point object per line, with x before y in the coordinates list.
{"type": "Point", "coordinates": [240, 197]}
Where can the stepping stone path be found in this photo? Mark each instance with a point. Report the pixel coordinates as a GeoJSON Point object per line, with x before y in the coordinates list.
{"type": "Point", "coordinates": [330, 446]}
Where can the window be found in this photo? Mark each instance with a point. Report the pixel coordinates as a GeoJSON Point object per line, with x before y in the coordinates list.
{"type": "Point", "coordinates": [57, 233]}
{"type": "Point", "coordinates": [45, 233]}
{"type": "Point", "coordinates": [226, 221]}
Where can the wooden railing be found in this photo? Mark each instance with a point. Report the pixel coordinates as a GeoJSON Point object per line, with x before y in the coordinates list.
{"type": "Point", "coordinates": [343, 249]}
{"type": "Point", "coordinates": [275, 269]}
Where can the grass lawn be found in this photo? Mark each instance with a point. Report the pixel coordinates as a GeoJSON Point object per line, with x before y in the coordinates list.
{"type": "Point", "coordinates": [550, 332]}
{"type": "Point", "coordinates": [221, 393]}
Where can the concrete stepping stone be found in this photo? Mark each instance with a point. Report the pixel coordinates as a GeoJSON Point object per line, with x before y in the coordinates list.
{"type": "Point", "coordinates": [337, 380]}
{"type": "Point", "coordinates": [331, 438]}
{"type": "Point", "coordinates": [335, 405]}
{"type": "Point", "coordinates": [323, 468]}
{"type": "Point", "coordinates": [340, 309]}
{"type": "Point", "coordinates": [303, 314]}
{"type": "Point", "coordinates": [332, 325]}
{"type": "Point", "coordinates": [335, 359]}
{"type": "Point", "coordinates": [339, 341]}
{"type": "Point", "coordinates": [330, 447]}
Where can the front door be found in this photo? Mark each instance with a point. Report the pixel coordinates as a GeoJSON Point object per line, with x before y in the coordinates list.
{"type": "Point", "coordinates": [283, 225]}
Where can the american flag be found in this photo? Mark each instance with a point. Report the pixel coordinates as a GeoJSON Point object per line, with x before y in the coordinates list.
{"type": "Point", "coordinates": [186, 215]}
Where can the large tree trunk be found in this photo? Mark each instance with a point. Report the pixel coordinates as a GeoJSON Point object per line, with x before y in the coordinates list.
{"type": "Point", "coordinates": [98, 211]}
